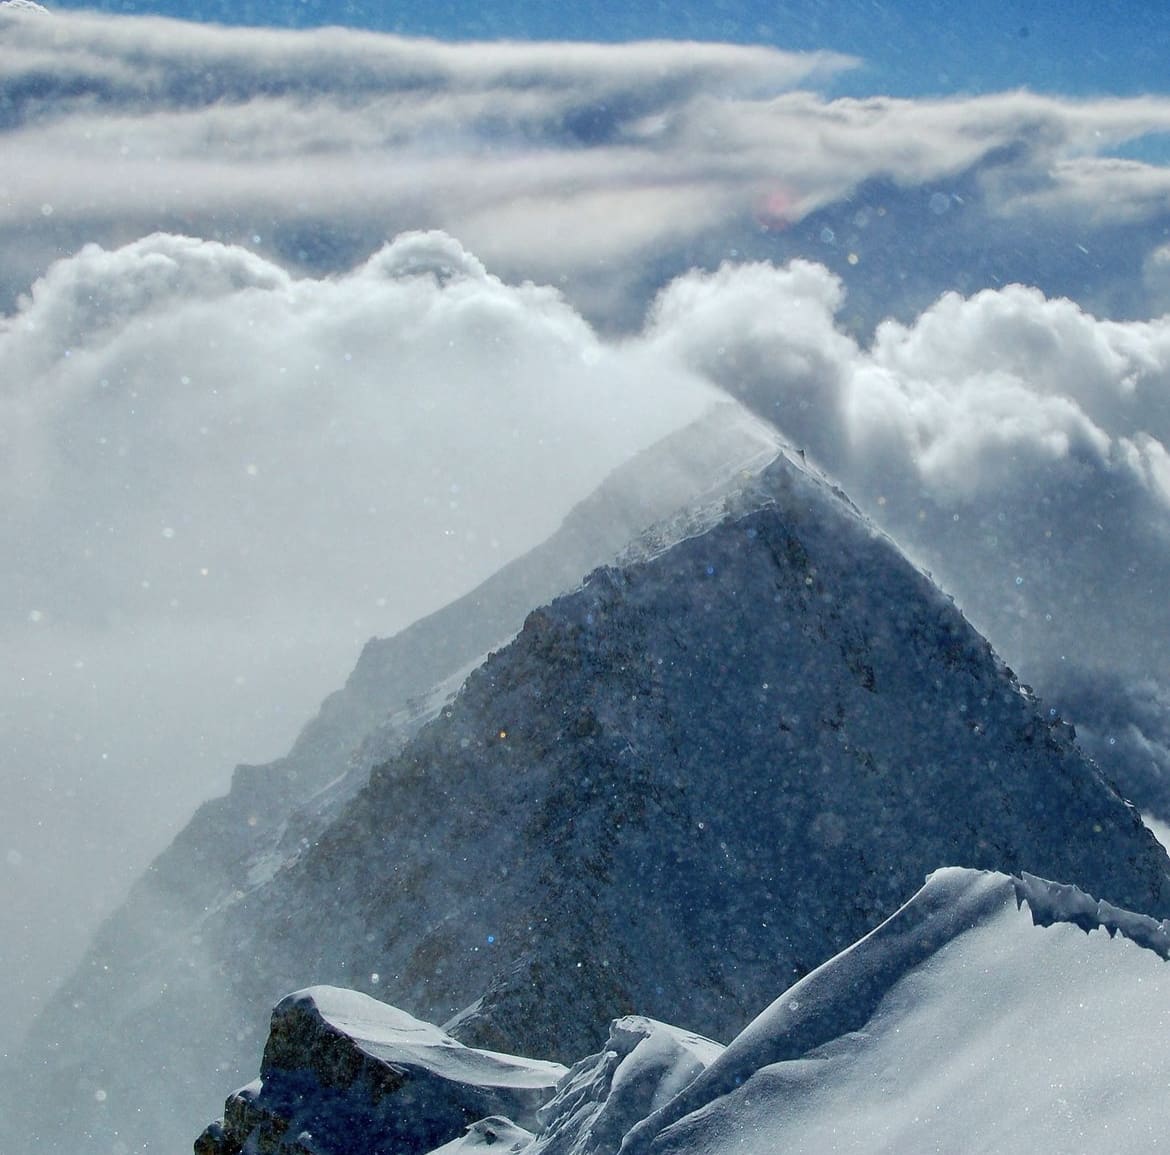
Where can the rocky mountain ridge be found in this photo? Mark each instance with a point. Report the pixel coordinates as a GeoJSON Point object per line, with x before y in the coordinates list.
{"type": "Point", "coordinates": [353, 1065]}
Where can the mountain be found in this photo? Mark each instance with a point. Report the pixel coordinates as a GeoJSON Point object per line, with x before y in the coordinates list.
{"type": "Point", "coordinates": [688, 782]}
{"type": "Point", "coordinates": [683, 784]}
{"type": "Point", "coordinates": [989, 1012]}
{"type": "Point", "coordinates": [154, 975]}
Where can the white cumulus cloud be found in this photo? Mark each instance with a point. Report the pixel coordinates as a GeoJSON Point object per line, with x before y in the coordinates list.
{"type": "Point", "coordinates": [1014, 443]}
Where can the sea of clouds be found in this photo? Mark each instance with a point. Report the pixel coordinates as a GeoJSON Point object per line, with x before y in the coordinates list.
{"type": "Point", "coordinates": [304, 334]}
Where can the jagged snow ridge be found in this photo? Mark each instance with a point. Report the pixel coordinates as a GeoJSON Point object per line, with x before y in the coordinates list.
{"type": "Point", "coordinates": [965, 1022]}
{"type": "Point", "coordinates": [643, 1066]}
{"type": "Point", "coordinates": [959, 1024]}
{"type": "Point", "coordinates": [392, 1036]}
{"type": "Point", "coordinates": [1052, 902]}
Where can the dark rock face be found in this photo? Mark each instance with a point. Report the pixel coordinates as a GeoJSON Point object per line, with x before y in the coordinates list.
{"type": "Point", "coordinates": [691, 782]}
{"type": "Point", "coordinates": [345, 1075]}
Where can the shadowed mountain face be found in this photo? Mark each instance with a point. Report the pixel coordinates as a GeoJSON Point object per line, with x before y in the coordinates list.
{"type": "Point", "coordinates": [689, 783]}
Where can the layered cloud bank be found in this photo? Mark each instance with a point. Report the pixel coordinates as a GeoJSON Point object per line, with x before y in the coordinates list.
{"type": "Point", "coordinates": [600, 168]}
{"type": "Point", "coordinates": [227, 461]}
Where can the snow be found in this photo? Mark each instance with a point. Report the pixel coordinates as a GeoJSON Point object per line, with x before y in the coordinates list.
{"type": "Point", "coordinates": [643, 1066]}
{"type": "Point", "coordinates": [959, 1025]}
{"type": "Point", "coordinates": [497, 1133]}
{"type": "Point", "coordinates": [391, 1036]}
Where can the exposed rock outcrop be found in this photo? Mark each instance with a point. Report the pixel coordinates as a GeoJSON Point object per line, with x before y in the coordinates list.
{"type": "Point", "coordinates": [343, 1074]}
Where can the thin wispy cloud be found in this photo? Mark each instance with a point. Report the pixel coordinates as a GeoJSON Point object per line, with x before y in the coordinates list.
{"type": "Point", "coordinates": [567, 162]}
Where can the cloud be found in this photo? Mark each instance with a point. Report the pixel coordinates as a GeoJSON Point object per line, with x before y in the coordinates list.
{"type": "Point", "coordinates": [605, 169]}
{"type": "Point", "coordinates": [1124, 726]}
{"type": "Point", "coordinates": [157, 387]}
{"type": "Point", "coordinates": [1012, 442]}
{"type": "Point", "coordinates": [768, 336]}
{"type": "Point", "coordinates": [219, 479]}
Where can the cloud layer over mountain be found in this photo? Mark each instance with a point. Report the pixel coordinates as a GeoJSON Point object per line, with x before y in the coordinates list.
{"type": "Point", "coordinates": [227, 461]}
{"type": "Point", "coordinates": [598, 167]}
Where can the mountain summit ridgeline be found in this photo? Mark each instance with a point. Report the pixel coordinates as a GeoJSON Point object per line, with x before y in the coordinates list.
{"type": "Point", "coordinates": [679, 788]}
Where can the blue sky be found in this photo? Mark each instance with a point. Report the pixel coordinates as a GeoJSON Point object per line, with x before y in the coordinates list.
{"type": "Point", "coordinates": [911, 47]}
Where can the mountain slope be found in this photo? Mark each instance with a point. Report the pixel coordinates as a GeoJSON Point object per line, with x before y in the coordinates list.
{"type": "Point", "coordinates": [155, 976]}
{"type": "Point", "coordinates": [690, 782]}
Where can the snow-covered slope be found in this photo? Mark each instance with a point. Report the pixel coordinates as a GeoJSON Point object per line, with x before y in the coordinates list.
{"type": "Point", "coordinates": [959, 1025]}
{"type": "Point", "coordinates": [989, 1013]}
